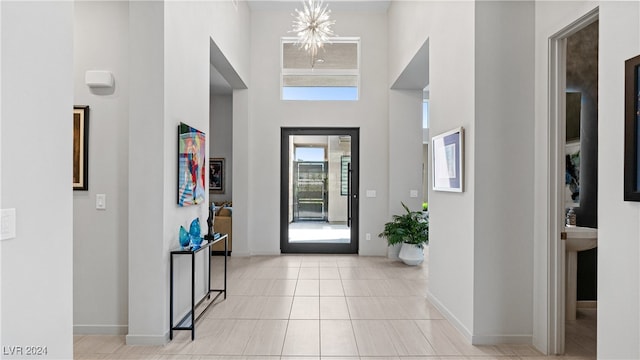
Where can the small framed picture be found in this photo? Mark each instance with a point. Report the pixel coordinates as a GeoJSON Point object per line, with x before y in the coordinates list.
{"type": "Point", "coordinates": [447, 151]}
{"type": "Point", "coordinates": [80, 148]}
{"type": "Point", "coordinates": [216, 175]}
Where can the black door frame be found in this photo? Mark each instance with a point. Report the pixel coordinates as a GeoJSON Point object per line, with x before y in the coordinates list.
{"type": "Point", "coordinates": [320, 248]}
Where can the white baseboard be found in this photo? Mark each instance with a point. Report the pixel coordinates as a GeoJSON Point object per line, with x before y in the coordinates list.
{"type": "Point", "coordinates": [449, 316]}
{"type": "Point", "coordinates": [147, 339]}
{"type": "Point", "coordinates": [478, 339]}
{"type": "Point", "coordinates": [100, 329]}
{"type": "Point", "coordinates": [501, 339]}
{"type": "Point", "coordinates": [587, 304]}
{"type": "Point", "coordinates": [264, 253]}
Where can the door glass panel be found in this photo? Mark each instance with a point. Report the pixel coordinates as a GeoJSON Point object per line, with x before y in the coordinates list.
{"type": "Point", "coordinates": [319, 189]}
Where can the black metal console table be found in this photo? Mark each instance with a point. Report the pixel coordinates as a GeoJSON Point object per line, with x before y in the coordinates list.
{"type": "Point", "coordinates": [188, 322]}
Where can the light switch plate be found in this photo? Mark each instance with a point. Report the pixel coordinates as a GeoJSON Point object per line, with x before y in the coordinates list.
{"type": "Point", "coordinates": [371, 193]}
{"type": "Point", "coordinates": [7, 224]}
{"type": "Point", "coordinates": [413, 193]}
{"type": "Point", "coordinates": [101, 201]}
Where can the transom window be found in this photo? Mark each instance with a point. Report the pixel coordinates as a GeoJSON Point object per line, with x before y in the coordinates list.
{"type": "Point", "coordinates": [333, 75]}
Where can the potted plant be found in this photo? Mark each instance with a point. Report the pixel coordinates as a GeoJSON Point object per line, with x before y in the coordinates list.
{"type": "Point", "coordinates": [412, 231]}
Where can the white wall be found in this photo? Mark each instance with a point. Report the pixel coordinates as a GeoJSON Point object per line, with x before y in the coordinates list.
{"type": "Point", "coordinates": [221, 137]}
{"type": "Point", "coordinates": [100, 237]}
{"type": "Point", "coordinates": [405, 150]}
{"type": "Point", "coordinates": [481, 267]}
{"type": "Point", "coordinates": [618, 231]}
{"type": "Point", "coordinates": [268, 114]}
{"type": "Point", "coordinates": [449, 26]}
{"type": "Point", "coordinates": [504, 153]}
{"type": "Point", "coordinates": [37, 100]}
{"type": "Point", "coordinates": [148, 253]}
{"type": "Point", "coordinates": [163, 94]}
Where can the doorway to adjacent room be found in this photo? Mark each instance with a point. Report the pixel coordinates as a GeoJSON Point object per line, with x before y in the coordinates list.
{"type": "Point", "coordinates": [319, 190]}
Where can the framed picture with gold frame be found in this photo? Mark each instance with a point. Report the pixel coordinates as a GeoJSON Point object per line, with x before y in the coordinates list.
{"type": "Point", "coordinates": [81, 147]}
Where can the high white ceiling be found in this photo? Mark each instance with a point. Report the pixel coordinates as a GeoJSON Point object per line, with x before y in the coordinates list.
{"type": "Point", "coordinates": [334, 5]}
{"type": "Point", "coordinates": [220, 86]}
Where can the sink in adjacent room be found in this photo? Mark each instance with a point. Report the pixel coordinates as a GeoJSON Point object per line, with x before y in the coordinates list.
{"type": "Point", "coordinates": [580, 238]}
{"type": "Point", "coordinates": [576, 238]}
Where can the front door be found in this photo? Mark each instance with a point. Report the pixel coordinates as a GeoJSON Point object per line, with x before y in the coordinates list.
{"type": "Point", "coordinates": [319, 190]}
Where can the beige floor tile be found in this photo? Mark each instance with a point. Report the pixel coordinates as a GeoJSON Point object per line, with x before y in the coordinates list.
{"type": "Point", "coordinates": [309, 273]}
{"type": "Point", "coordinates": [267, 273]}
{"type": "Point", "coordinates": [385, 308]}
{"type": "Point", "coordinates": [408, 339]}
{"type": "Point", "coordinates": [333, 308]}
{"type": "Point", "coordinates": [276, 307]}
{"type": "Point", "coordinates": [308, 288]}
{"type": "Point", "coordinates": [330, 287]}
{"type": "Point", "coordinates": [432, 330]}
{"type": "Point", "coordinates": [89, 356]}
{"type": "Point", "coordinates": [267, 338]}
{"type": "Point", "coordinates": [309, 262]}
{"type": "Point", "coordinates": [230, 337]}
{"type": "Point", "coordinates": [93, 344]}
{"type": "Point", "coordinates": [247, 287]}
{"type": "Point", "coordinates": [354, 287]}
{"type": "Point", "coordinates": [373, 338]}
{"type": "Point", "coordinates": [336, 338]}
{"type": "Point", "coordinates": [392, 308]}
{"type": "Point", "coordinates": [248, 307]}
{"type": "Point", "coordinates": [305, 307]}
{"type": "Point", "coordinates": [365, 308]}
{"type": "Point", "coordinates": [302, 338]}
{"type": "Point", "coordinates": [282, 287]}
{"type": "Point", "coordinates": [328, 263]}
{"type": "Point", "coordinates": [329, 273]}
{"type": "Point", "coordinates": [223, 308]}
{"type": "Point", "coordinates": [417, 307]}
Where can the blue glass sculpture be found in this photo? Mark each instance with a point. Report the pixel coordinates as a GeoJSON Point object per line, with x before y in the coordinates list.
{"type": "Point", "coordinates": [184, 237]}
{"type": "Point", "coordinates": [194, 233]}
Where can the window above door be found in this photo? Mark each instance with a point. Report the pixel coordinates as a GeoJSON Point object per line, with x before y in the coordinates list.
{"type": "Point", "coordinates": [333, 75]}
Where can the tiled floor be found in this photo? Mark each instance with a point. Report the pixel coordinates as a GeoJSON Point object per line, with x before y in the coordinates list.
{"type": "Point", "coordinates": [322, 307]}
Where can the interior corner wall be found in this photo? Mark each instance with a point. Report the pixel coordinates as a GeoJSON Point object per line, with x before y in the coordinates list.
{"type": "Point", "coordinates": [221, 130]}
{"type": "Point", "coordinates": [37, 100]}
{"type": "Point", "coordinates": [504, 154]}
{"type": "Point", "coordinates": [163, 94]}
{"type": "Point", "coordinates": [148, 254]}
{"type": "Point", "coordinates": [450, 28]}
{"type": "Point", "coordinates": [268, 114]}
{"type": "Point", "coordinates": [405, 142]}
{"type": "Point", "coordinates": [100, 237]}
{"type": "Point", "coordinates": [618, 231]}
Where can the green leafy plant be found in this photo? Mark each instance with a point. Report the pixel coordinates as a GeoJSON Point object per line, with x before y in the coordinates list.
{"type": "Point", "coordinates": [410, 228]}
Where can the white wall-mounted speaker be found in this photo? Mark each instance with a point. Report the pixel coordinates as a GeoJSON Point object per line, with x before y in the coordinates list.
{"type": "Point", "coordinates": [98, 79]}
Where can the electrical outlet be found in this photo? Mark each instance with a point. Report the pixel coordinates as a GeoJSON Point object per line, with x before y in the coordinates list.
{"type": "Point", "coordinates": [413, 193]}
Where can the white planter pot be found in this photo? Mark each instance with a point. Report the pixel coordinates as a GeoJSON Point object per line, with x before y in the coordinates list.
{"type": "Point", "coordinates": [393, 251]}
{"type": "Point", "coordinates": [411, 254]}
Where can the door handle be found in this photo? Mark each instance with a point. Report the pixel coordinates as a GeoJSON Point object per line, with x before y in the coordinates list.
{"type": "Point", "coordinates": [349, 197]}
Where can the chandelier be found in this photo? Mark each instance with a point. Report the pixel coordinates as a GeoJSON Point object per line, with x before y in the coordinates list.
{"type": "Point", "coordinates": [313, 27]}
